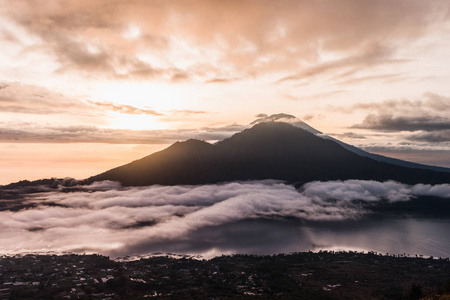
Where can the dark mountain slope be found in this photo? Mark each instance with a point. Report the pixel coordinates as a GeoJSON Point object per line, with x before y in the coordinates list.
{"type": "Point", "coordinates": [174, 165]}
{"type": "Point", "coordinates": [386, 159]}
{"type": "Point", "coordinates": [271, 150]}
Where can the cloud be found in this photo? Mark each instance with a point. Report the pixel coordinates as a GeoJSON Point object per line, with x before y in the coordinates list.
{"type": "Point", "coordinates": [154, 40]}
{"type": "Point", "coordinates": [108, 218]}
{"type": "Point", "coordinates": [428, 103]}
{"type": "Point", "coordinates": [188, 112]}
{"type": "Point", "coordinates": [281, 117]}
{"type": "Point", "coordinates": [382, 77]}
{"type": "Point", "coordinates": [431, 137]}
{"type": "Point", "coordinates": [428, 116]}
{"type": "Point", "coordinates": [125, 109]}
{"type": "Point", "coordinates": [221, 80]}
{"type": "Point", "coordinates": [314, 96]}
{"type": "Point", "coordinates": [30, 132]}
{"type": "Point", "coordinates": [21, 98]}
{"type": "Point", "coordinates": [368, 56]}
{"type": "Point", "coordinates": [286, 118]}
{"type": "Point", "coordinates": [350, 135]}
{"type": "Point", "coordinates": [360, 190]}
{"type": "Point", "coordinates": [403, 123]}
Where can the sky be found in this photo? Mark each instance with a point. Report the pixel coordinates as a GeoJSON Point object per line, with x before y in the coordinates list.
{"type": "Point", "coordinates": [86, 86]}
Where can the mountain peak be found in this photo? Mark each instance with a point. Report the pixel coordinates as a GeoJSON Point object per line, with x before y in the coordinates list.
{"type": "Point", "coordinates": [285, 118]}
{"type": "Point", "coordinates": [190, 143]}
{"type": "Point", "coordinates": [281, 117]}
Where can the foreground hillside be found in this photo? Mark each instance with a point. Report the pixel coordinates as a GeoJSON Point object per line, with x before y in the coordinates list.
{"type": "Point", "coordinates": [323, 275]}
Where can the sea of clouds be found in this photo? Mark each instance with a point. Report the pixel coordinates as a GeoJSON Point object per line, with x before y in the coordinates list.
{"type": "Point", "coordinates": [110, 219]}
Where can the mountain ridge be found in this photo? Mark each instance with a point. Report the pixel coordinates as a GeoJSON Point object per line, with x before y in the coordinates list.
{"type": "Point", "coordinates": [268, 150]}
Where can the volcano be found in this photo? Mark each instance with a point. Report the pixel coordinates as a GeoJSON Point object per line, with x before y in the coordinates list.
{"type": "Point", "coordinates": [268, 150]}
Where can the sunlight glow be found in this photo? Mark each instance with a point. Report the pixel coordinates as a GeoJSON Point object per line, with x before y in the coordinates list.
{"type": "Point", "coordinates": [135, 122]}
{"type": "Point", "coordinates": [156, 96]}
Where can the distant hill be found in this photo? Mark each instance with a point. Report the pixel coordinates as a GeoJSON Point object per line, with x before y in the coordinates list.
{"type": "Point", "coordinates": [268, 150]}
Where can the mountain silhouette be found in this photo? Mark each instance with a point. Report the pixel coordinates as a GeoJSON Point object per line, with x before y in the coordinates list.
{"type": "Point", "coordinates": [268, 150]}
{"type": "Point", "coordinates": [282, 117]}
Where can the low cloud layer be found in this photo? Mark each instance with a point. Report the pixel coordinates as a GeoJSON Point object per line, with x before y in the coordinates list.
{"type": "Point", "coordinates": [109, 219]}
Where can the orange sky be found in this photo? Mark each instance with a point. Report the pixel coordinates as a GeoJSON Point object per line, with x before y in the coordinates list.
{"type": "Point", "coordinates": [88, 85]}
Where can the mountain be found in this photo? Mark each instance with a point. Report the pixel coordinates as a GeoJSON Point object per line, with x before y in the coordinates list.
{"type": "Point", "coordinates": [298, 123]}
{"type": "Point", "coordinates": [268, 150]}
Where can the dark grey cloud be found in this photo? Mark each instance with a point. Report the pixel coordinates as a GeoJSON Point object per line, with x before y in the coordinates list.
{"type": "Point", "coordinates": [429, 113]}
{"type": "Point", "coordinates": [106, 219]}
{"type": "Point", "coordinates": [350, 135]}
{"type": "Point", "coordinates": [403, 123]}
{"type": "Point", "coordinates": [431, 137]}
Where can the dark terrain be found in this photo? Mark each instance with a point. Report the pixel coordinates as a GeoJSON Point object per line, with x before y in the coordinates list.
{"type": "Point", "coordinates": [323, 275]}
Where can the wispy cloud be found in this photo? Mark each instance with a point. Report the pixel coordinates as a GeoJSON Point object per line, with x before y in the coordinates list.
{"type": "Point", "coordinates": [369, 55]}
{"type": "Point", "coordinates": [30, 132]}
{"type": "Point", "coordinates": [317, 96]}
{"type": "Point", "coordinates": [125, 109]}
{"type": "Point", "coordinates": [382, 77]}
{"type": "Point", "coordinates": [427, 103]}
{"type": "Point", "coordinates": [350, 135]}
{"type": "Point", "coordinates": [20, 98]}
{"type": "Point", "coordinates": [404, 123]}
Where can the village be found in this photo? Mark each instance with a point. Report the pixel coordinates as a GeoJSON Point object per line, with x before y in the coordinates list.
{"type": "Point", "coordinates": [308, 275]}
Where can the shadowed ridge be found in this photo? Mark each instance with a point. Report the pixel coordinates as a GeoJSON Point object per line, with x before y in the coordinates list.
{"type": "Point", "coordinates": [173, 165]}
